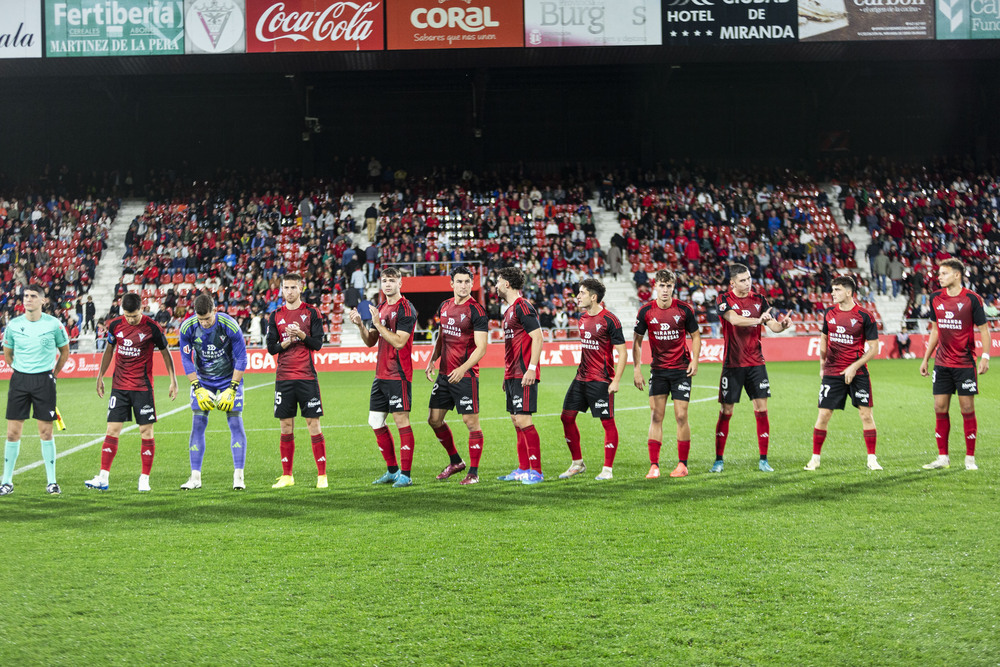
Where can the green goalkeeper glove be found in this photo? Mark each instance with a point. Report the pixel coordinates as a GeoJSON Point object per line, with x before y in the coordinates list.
{"type": "Point", "coordinates": [203, 396]}
{"type": "Point", "coordinates": [227, 398]}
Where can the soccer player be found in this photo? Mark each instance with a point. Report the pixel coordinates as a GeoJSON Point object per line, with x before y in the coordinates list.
{"type": "Point", "coordinates": [131, 339]}
{"type": "Point", "coordinates": [742, 313]}
{"type": "Point", "coordinates": [843, 366]}
{"type": "Point", "coordinates": [29, 348]}
{"type": "Point", "coordinates": [955, 314]}
{"type": "Point", "coordinates": [597, 377]}
{"type": "Point", "coordinates": [214, 355]}
{"type": "Point", "coordinates": [391, 328]}
{"type": "Point", "coordinates": [522, 352]}
{"type": "Point", "coordinates": [461, 344]}
{"type": "Point", "coordinates": [296, 386]}
{"type": "Point", "coordinates": [668, 321]}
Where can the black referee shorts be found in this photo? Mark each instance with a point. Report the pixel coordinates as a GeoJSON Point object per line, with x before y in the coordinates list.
{"type": "Point", "coordinates": [29, 391]}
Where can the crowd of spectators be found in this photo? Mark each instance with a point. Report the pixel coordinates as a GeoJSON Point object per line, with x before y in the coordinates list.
{"type": "Point", "coordinates": [697, 222]}
{"type": "Point", "coordinates": [55, 241]}
{"type": "Point", "coordinates": [917, 216]}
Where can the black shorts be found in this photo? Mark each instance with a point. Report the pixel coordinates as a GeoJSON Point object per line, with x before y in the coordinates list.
{"type": "Point", "coordinates": [297, 396]}
{"type": "Point", "coordinates": [124, 403]}
{"type": "Point", "coordinates": [391, 396]}
{"type": "Point", "coordinates": [673, 381]}
{"type": "Point", "coordinates": [948, 381]}
{"type": "Point", "coordinates": [520, 400]}
{"type": "Point", "coordinates": [31, 390]}
{"type": "Point", "coordinates": [833, 392]}
{"type": "Point", "coordinates": [735, 380]}
{"type": "Point", "coordinates": [464, 396]}
{"type": "Point", "coordinates": [593, 396]}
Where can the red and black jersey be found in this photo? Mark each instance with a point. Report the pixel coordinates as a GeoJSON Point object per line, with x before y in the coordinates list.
{"type": "Point", "coordinates": [957, 318]}
{"type": "Point", "coordinates": [458, 325]}
{"type": "Point", "coordinates": [133, 345]}
{"type": "Point", "coordinates": [295, 362]}
{"type": "Point", "coordinates": [668, 329]}
{"type": "Point", "coordinates": [396, 364]}
{"type": "Point", "coordinates": [742, 343]}
{"type": "Point", "coordinates": [598, 336]}
{"type": "Point", "coordinates": [847, 331]}
{"type": "Point", "coordinates": [519, 320]}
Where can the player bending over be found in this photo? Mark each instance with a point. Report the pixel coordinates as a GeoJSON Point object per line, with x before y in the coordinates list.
{"type": "Point", "coordinates": [215, 357]}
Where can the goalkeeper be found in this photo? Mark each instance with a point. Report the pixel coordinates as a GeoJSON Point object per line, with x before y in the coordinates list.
{"type": "Point", "coordinates": [215, 357]}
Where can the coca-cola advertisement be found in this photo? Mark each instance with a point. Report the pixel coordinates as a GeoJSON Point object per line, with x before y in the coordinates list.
{"type": "Point", "coordinates": [283, 26]}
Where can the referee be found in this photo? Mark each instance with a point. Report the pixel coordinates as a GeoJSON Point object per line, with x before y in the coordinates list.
{"type": "Point", "coordinates": [29, 345]}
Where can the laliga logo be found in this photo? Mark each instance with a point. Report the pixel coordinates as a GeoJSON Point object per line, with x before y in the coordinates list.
{"type": "Point", "coordinates": [469, 19]}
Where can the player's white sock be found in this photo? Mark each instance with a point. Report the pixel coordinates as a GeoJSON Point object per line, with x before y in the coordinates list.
{"type": "Point", "coordinates": [238, 482]}
{"type": "Point", "coordinates": [813, 462]}
{"type": "Point", "coordinates": [104, 475]}
{"type": "Point", "coordinates": [144, 483]}
{"type": "Point", "coordinates": [970, 463]}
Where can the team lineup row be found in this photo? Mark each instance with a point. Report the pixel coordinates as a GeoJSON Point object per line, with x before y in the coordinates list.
{"type": "Point", "coordinates": [214, 358]}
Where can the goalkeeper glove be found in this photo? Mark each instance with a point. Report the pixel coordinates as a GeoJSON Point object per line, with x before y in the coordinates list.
{"type": "Point", "coordinates": [203, 397]}
{"type": "Point", "coordinates": [227, 398]}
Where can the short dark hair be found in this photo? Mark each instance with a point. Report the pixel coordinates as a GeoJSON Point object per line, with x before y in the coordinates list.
{"type": "Point", "coordinates": [291, 276]}
{"type": "Point", "coordinates": [955, 265]}
{"type": "Point", "coordinates": [666, 276]}
{"type": "Point", "coordinates": [461, 269]}
{"type": "Point", "coordinates": [204, 304]}
{"type": "Point", "coordinates": [390, 272]}
{"type": "Point", "coordinates": [131, 302]}
{"type": "Point", "coordinates": [846, 282]}
{"type": "Point", "coordinates": [512, 275]}
{"type": "Point", "coordinates": [595, 287]}
{"type": "Point", "coordinates": [737, 269]}
{"type": "Point", "coordinates": [36, 288]}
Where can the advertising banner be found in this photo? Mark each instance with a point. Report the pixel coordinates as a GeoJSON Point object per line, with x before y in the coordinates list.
{"type": "Point", "coordinates": [592, 23]}
{"type": "Point", "coordinates": [331, 359]}
{"type": "Point", "coordinates": [968, 19]}
{"type": "Point", "coordinates": [20, 29]}
{"type": "Point", "coordinates": [280, 26]}
{"type": "Point", "coordinates": [865, 20]}
{"type": "Point", "coordinates": [215, 26]}
{"type": "Point", "coordinates": [76, 28]}
{"type": "Point", "coordinates": [690, 22]}
{"type": "Point", "coordinates": [454, 24]}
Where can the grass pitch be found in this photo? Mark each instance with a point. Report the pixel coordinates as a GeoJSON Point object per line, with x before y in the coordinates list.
{"type": "Point", "coordinates": [837, 566]}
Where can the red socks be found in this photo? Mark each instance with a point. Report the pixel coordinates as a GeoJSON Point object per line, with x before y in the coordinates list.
{"type": "Point", "coordinates": [522, 450]}
{"type": "Point", "coordinates": [683, 449]}
{"type": "Point", "coordinates": [572, 433]}
{"type": "Point", "coordinates": [942, 426]}
{"type": "Point", "coordinates": [533, 445]}
{"type": "Point", "coordinates": [108, 452]}
{"type": "Point", "coordinates": [444, 436]}
{"type": "Point", "coordinates": [870, 440]}
{"type": "Point", "coordinates": [148, 451]}
{"type": "Point", "coordinates": [610, 441]}
{"type": "Point", "coordinates": [721, 433]}
{"type": "Point", "coordinates": [969, 421]}
{"type": "Point", "coordinates": [383, 438]}
{"type": "Point", "coordinates": [763, 432]}
{"type": "Point", "coordinates": [654, 451]}
{"type": "Point", "coordinates": [475, 448]}
{"type": "Point", "coordinates": [406, 449]}
{"type": "Point", "coordinates": [818, 438]}
{"type": "Point", "coordinates": [287, 449]}
{"type": "Point", "coordinates": [319, 453]}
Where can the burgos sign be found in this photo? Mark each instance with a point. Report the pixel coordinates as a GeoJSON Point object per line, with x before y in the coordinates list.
{"type": "Point", "coordinates": [454, 24]}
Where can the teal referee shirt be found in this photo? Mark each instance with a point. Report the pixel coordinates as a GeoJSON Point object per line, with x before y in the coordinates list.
{"type": "Point", "coordinates": [35, 344]}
